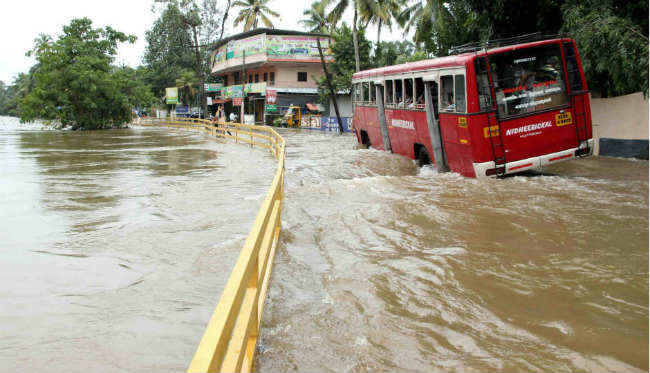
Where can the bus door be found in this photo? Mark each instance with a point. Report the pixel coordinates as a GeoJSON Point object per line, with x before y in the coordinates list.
{"type": "Point", "coordinates": [435, 134]}
{"type": "Point", "coordinates": [454, 124]}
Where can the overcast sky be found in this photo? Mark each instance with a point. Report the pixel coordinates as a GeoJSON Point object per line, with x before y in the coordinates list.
{"type": "Point", "coordinates": [24, 20]}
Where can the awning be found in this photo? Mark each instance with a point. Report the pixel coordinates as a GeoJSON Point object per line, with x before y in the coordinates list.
{"type": "Point", "coordinates": [312, 107]}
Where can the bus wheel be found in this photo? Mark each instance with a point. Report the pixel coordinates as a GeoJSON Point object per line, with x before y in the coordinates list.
{"type": "Point", "coordinates": [365, 139]}
{"type": "Point", "coordinates": [423, 156]}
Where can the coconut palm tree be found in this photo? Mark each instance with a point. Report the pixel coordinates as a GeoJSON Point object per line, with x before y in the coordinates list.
{"type": "Point", "coordinates": [316, 20]}
{"type": "Point", "coordinates": [363, 8]}
{"type": "Point", "coordinates": [386, 11]}
{"type": "Point", "coordinates": [187, 82]}
{"type": "Point", "coordinates": [252, 11]}
{"type": "Point", "coordinates": [422, 15]}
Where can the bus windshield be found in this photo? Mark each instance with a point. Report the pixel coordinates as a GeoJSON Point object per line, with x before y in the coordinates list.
{"type": "Point", "coordinates": [528, 80]}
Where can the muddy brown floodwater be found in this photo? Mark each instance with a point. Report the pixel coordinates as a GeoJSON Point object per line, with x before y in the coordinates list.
{"type": "Point", "coordinates": [116, 245]}
{"type": "Point", "coordinates": [387, 267]}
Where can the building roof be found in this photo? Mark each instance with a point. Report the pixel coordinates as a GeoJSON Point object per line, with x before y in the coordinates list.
{"type": "Point", "coordinates": [268, 31]}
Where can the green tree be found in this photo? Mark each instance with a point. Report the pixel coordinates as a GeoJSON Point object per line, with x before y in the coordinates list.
{"type": "Point", "coordinates": [252, 11]}
{"type": "Point", "coordinates": [169, 49]}
{"type": "Point", "coordinates": [344, 65]}
{"type": "Point", "coordinates": [316, 18]}
{"type": "Point", "coordinates": [613, 44]}
{"type": "Point", "coordinates": [75, 83]}
{"type": "Point", "coordinates": [386, 13]}
{"type": "Point", "coordinates": [187, 83]}
{"type": "Point", "coordinates": [362, 10]}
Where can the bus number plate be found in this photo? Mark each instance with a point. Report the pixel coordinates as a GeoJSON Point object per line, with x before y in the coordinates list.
{"type": "Point", "coordinates": [563, 119]}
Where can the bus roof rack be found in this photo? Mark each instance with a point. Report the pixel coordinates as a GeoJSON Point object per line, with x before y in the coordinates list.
{"type": "Point", "coordinates": [477, 46]}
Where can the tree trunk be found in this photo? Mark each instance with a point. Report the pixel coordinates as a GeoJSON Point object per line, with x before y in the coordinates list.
{"type": "Point", "coordinates": [223, 21]}
{"type": "Point", "coordinates": [355, 40]}
{"type": "Point", "coordinates": [378, 32]}
{"type": "Point", "coordinates": [199, 70]}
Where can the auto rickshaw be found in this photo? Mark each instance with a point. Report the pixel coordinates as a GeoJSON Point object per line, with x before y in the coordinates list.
{"type": "Point", "coordinates": [292, 116]}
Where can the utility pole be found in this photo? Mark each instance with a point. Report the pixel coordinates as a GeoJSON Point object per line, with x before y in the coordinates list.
{"type": "Point", "coordinates": [329, 85]}
{"type": "Point", "coordinates": [243, 80]}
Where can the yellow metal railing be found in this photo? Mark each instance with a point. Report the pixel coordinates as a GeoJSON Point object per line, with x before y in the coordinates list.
{"type": "Point", "coordinates": [228, 344]}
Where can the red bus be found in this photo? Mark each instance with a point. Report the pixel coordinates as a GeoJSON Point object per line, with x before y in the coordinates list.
{"type": "Point", "coordinates": [483, 112]}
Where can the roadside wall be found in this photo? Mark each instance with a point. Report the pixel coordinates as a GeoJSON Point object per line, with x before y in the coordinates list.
{"type": "Point", "coordinates": [623, 117]}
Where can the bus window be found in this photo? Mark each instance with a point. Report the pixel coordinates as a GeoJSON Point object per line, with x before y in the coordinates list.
{"type": "Point", "coordinates": [388, 92]}
{"type": "Point", "coordinates": [575, 82]}
{"type": "Point", "coordinates": [373, 93]}
{"type": "Point", "coordinates": [483, 84]}
{"type": "Point", "coordinates": [364, 92]}
{"type": "Point", "coordinates": [399, 92]}
{"type": "Point", "coordinates": [357, 92]}
{"type": "Point", "coordinates": [408, 93]}
{"type": "Point", "coordinates": [528, 80]}
{"type": "Point", "coordinates": [419, 93]}
{"type": "Point", "coordinates": [460, 93]}
{"type": "Point", "coordinates": [447, 93]}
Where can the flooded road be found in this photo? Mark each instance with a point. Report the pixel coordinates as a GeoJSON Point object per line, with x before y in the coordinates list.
{"type": "Point", "coordinates": [387, 267]}
{"type": "Point", "coordinates": [115, 245]}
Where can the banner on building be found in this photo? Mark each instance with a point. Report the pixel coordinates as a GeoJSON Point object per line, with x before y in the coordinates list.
{"type": "Point", "coordinates": [171, 95]}
{"type": "Point", "coordinates": [238, 101]}
{"type": "Point", "coordinates": [296, 46]}
{"type": "Point", "coordinates": [271, 96]}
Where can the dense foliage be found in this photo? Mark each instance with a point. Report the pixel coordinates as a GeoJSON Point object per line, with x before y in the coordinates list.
{"type": "Point", "coordinates": [344, 66]}
{"type": "Point", "coordinates": [613, 43]}
{"type": "Point", "coordinates": [74, 84]}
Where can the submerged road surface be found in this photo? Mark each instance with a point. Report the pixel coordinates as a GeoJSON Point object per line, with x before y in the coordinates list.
{"type": "Point", "coordinates": [115, 245]}
{"type": "Point", "coordinates": [387, 267]}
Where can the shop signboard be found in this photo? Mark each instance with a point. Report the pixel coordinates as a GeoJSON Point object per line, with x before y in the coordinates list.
{"type": "Point", "coordinates": [271, 96]}
{"type": "Point", "coordinates": [232, 91]}
{"type": "Point", "coordinates": [255, 88]}
{"type": "Point", "coordinates": [171, 95]}
{"type": "Point", "coordinates": [296, 46]}
{"type": "Point", "coordinates": [212, 87]}
{"type": "Point", "coordinates": [238, 101]}
{"type": "Point", "coordinates": [271, 108]}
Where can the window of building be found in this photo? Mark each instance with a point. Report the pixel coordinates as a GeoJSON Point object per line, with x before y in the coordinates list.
{"type": "Point", "coordinates": [408, 92]}
{"type": "Point", "coordinates": [272, 77]}
{"type": "Point", "coordinates": [266, 76]}
{"type": "Point", "coordinates": [225, 80]}
{"type": "Point", "coordinates": [388, 92]}
{"type": "Point", "coordinates": [447, 93]}
{"type": "Point", "coordinates": [250, 78]}
{"type": "Point", "coordinates": [235, 78]}
{"type": "Point", "coordinates": [460, 93]}
{"type": "Point", "coordinates": [302, 76]}
{"type": "Point", "coordinates": [257, 78]}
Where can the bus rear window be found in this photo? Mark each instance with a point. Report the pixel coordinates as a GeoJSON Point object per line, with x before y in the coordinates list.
{"type": "Point", "coordinates": [528, 80]}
